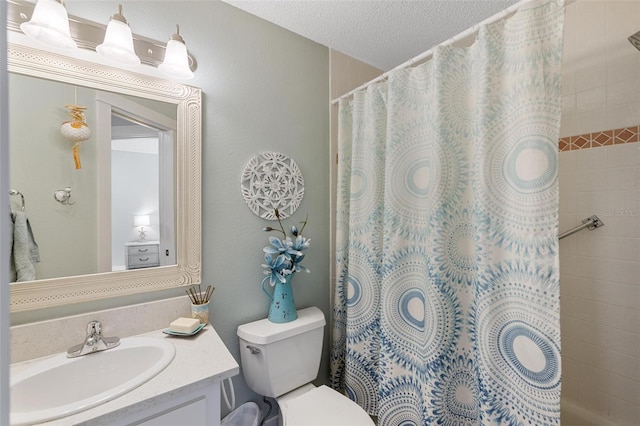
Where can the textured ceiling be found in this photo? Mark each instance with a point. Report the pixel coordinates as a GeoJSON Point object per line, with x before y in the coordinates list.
{"type": "Point", "coordinates": [382, 33]}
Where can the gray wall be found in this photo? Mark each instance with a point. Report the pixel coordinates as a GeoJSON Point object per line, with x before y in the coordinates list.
{"type": "Point", "coordinates": [264, 89]}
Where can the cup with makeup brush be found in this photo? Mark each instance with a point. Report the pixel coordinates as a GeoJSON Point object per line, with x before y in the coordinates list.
{"type": "Point", "coordinates": [200, 302]}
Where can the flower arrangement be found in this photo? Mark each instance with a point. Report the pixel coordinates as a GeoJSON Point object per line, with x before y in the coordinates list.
{"type": "Point", "coordinates": [288, 252]}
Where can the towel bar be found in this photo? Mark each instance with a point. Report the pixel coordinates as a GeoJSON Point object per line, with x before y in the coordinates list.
{"type": "Point", "coordinates": [591, 223]}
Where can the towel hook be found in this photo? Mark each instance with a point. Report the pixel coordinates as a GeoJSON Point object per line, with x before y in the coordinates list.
{"type": "Point", "coordinates": [63, 196]}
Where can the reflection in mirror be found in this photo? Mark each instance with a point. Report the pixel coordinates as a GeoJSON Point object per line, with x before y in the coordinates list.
{"type": "Point", "coordinates": [141, 134]}
{"type": "Point", "coordinates": [141, 192]}
{"type": "Point", "coordinates": [41, 162]}
{"type": "Point", "coordinates": [75, 220]}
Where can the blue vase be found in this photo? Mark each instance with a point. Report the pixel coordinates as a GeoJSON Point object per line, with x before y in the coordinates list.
{"type": "Point", "coordinates": [283, 307]}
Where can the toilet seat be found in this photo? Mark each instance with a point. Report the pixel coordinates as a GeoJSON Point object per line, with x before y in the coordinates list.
{"type": "Point", "coordinates": [322, 406]}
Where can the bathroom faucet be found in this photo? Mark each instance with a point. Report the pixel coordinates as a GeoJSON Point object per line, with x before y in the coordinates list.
{"type": "Point", "coordinates": [94, 342]}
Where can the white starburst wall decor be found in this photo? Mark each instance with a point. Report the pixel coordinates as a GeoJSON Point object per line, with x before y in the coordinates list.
{"type": "Point", "coordinates": [272, 180]}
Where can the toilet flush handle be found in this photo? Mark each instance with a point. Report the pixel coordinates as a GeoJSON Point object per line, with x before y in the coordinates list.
{"type": "Point", "coordinates": [253, 349]}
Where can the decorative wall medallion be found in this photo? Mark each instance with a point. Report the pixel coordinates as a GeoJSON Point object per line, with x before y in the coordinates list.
{"type": "Point", "coordinates": [272, 180]}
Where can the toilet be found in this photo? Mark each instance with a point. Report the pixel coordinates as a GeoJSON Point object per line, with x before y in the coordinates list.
{"type": "Point", "coordinates": [281, 360]}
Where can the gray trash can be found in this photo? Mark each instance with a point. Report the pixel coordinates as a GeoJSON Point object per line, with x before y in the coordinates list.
{"type": "Point", "coordinates": [248, 414]}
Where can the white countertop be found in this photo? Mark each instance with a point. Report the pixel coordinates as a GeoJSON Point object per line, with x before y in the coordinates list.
{"type": "Point", "coordinates": [199, 361]}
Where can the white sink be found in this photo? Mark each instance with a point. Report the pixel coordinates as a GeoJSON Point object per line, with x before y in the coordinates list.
{"type": "Point", "coordinates": [59, 386]}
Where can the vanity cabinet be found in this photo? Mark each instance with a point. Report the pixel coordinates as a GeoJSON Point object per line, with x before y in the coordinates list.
{"type": "Point", "coordinates": [198, 407]}
{"type": "Point", "coordinates": [142, 254]}
{"type": "Point", "coordinates": [186, 393]}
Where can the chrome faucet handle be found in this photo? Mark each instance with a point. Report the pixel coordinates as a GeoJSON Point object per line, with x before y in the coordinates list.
{"type": "Point", "coordinates": [93, 342]}
{"type": "Point", "coordinates": [94, 328]}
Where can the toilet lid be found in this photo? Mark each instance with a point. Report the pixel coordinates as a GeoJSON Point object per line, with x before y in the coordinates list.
{"type": "Point", "coordinates": [323, 406]}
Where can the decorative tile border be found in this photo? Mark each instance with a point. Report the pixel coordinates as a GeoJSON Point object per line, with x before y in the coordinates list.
{"type": "Point", "coordinates": [597, 139]}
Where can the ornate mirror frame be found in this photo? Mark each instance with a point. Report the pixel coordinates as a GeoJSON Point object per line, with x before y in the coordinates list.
{"type": "Point", "coordinates": [46, 293]}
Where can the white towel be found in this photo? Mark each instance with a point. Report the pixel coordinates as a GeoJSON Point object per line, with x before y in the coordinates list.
{"type": "Point", "coordinates": [24, 250]}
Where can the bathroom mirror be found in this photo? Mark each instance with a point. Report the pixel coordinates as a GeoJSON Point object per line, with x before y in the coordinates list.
{"type": "Point", "coordinates": [175, 116]}
{"type": "Point", "coordinates": [123, 172]}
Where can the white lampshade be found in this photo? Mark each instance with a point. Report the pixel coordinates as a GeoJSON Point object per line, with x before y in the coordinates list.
{"type": "Point", "coordinates": [49, 24]}
{"type": "Point", "coordinates": [176, 60]}
{"type": "Point", "coordinates": [118, 41]}
{"type": "Point", "coordinates": [141, 220]}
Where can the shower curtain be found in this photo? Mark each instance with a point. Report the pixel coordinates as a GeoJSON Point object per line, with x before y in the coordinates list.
{"type": "Point", "coordinates": [447, 298]}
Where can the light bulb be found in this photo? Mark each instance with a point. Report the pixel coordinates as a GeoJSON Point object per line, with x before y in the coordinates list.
{"type": "Point", "coordinates": [49, 24]}
{"type": "Point", "coordinates": [118, 41]}
{"type": "Point", "coordinates": [176, 60]}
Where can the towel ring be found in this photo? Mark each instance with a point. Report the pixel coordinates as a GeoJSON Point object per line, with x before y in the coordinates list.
{"type": "Point", "coordinates": [16, 192]}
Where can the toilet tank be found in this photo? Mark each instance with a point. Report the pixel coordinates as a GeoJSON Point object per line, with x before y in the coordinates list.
{"type": "Point", "coordinates": [277, 358]}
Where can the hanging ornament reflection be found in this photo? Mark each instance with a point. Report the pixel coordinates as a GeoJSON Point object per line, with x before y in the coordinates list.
{"type": "Point", "coordinates": [76, 130]}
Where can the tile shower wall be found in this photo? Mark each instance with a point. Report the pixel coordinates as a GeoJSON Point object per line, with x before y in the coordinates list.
{"type": "Point", "coordinates": [599, 174]}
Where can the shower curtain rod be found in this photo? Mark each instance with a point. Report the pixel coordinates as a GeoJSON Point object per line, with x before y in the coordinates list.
{"type": "Point", "coordinates": [591, 222]}
{"type": "Point", "coordinates": [466, 33]}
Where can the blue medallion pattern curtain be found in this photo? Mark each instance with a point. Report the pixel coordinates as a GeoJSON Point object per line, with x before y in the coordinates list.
{"type": "Point", "coordinates": [447, 294]}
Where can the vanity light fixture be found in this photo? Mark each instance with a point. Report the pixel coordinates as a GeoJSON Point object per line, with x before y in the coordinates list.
{"type": "Point", "coordinates": [49, 24]}
{"type": "Point", "coordinates": [47, 21]}
{"type": "Point", "coordinates": [141, 220]}
{"type": "Point", "coordinates": [118, 41]}
{"type": "Point", "coordinates": [176, 61]}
